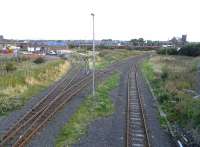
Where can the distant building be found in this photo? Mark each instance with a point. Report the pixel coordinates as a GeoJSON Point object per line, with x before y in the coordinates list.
{"type": "Point", "coordinates": [179, 41]}
{"type": "Point", "coordinates": [184, 38]}
{"type": "Point", "coordinates": [1, 42]}
{"type": "Point", "coordinates": [1, 37]}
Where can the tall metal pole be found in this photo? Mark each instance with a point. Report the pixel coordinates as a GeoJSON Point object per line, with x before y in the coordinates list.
{"type": "Point", "coordinates": [93, 52]}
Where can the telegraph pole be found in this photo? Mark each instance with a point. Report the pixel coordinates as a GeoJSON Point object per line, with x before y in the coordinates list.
{"type": "Point", "coordinates": [93, 52]}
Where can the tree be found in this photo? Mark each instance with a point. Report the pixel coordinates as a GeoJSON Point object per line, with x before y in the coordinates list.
{"type": "Point", "coordinates": [134, 42]}
{"type": "Point", "coordinates": [141, 41]}
{"type": "Point", "coordinates": [149, 42]}
{"type": "Point", "coordinates": [190, 50]}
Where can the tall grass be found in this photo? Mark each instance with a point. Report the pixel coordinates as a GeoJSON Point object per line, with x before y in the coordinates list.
{"type": "Point", "coordinates": [18, 86]}
{"type": "Point", "coordinates": [173, 80]}
{"type": "Point", "coordinates": [107, 57]}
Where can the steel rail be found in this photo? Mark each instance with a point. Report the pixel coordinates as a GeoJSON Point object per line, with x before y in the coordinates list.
{"type": "Point", "coordinates": [135, 104]}
{"type": "Point", "coordinates": [36, 115]}
{"type": "Point", "coordinates": [76, 84]}
{"type": "Point", "coordinates": [141, 99]}
{"type": "Point", "coordinates": [127, 111]}
{"type": "Point", "coordinates": [30, 115]}
{"type": "Point", "coordinates": [49, 112]}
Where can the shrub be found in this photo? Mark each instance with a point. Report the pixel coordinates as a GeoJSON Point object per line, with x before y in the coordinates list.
{"type": "Point", "coordinates": [23, 58]}
{"type": "Point", "coordinates": [39, 60]}
{"type": "Point", "coordinates": [165, 73]}
{"type": "Point", "coordinates": [103, 53]}
{"type": "Point", "coordinates": [163, 96]}
{"type": "Point", "coordinates": [10, 67]}
{"type": "Point", "coordinates": [169, 51]}
{"type": "Point", "coordinates": [190, 50]}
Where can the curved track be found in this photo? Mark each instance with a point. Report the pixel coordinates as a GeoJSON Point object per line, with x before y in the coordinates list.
{"type": "Point", "coordinates": [21, 124]}
{"type": "Point", "coordinates": [59, 95]}
{"type": "Point", "coordinates": [37, 117]}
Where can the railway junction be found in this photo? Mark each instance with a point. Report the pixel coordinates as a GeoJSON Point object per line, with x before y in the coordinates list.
{"type": "Point", "coordinates": [134, 122]}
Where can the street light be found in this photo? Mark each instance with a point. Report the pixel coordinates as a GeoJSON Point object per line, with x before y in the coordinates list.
{"type": "Point", "coordinates": [93, 52]}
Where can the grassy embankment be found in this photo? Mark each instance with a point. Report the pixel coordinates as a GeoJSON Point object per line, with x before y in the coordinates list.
{"type": "Point", "coordinates": [173, 79]}
{"type": "Point", "coordinates": [90, 110]}
{"type": "Point", "coordinates": [107, 57]}
{"type": "Point", "coordinates": [28, 79]}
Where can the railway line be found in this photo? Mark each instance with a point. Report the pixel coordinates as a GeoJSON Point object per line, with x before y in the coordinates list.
{"type": "Point", "coordinates": [63, 84]}
{"type": "Point", "coordinates": [24, 129]}
{"type": "Point", "coordinates": [136, 125]}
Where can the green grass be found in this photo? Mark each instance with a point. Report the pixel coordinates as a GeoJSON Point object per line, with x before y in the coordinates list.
{"type": "Point", "coordinates": [90, 110]}
{"type": "Point", "coordinates": [107, 57]}
{"type": "Point", "coordinates": [29, 79]}
{"type": "Point", "coordinates": [171, 78]}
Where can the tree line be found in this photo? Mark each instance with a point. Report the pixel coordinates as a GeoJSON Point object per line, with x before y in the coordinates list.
{"type": "Point", "coordinates": [191, 49]}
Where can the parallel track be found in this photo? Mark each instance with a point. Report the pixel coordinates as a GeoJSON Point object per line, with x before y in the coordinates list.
{"type": "Point", "coordinates": [137, 130]}
{"type": "Point", "coordinates": [37, 117]}
{"type": "Point", "coordinates": [25, 128]}
{"type": "Point", "coordinates": [61, 85]}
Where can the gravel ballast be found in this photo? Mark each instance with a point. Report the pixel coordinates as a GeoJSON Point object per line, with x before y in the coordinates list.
{"type": "Point", "coordinates": [103, 132]}
{"type": "Point", "coordinates": [110, 131]}
{"type": "Point", "coordinates": [9, 120]}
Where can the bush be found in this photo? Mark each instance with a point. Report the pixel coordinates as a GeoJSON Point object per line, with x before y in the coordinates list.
{"type": "Point", "coordinates": [10, 67]}
{"type": "Point", "coordinates": [165, 73]}
{"type": "Point", "coordinates": [103, 53]}
{"type": "Point", "coordinates": [163, 96]}
{"type": "Point", "coordinates": [190, 50]}
{"type": "Point", "coordinates": [39, 60]}
{"type": "Point", "coordinates": [169, 51]}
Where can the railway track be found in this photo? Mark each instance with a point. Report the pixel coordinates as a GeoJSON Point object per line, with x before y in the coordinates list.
{"type": "Point", "coordinates": [37, 117]}
{"type": "Point", "coordinates": [136, 127]}
{"type": "Point", "coordinates": [25, 128]}
{"type": "Point", "coordinates": [61, 85]}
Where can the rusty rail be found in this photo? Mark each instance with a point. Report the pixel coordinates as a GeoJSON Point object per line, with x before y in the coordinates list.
{"type": "Point", "coordinates": [24, 129]}
{"type": "Point", "coordinates": [136, 125]}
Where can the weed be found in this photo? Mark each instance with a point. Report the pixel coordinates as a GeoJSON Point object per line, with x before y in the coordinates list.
{"type": "Point", "coordinates": [91, 109]}
{"type": "Point", "coordinates": [171, 78]}
{"type": "Point", "coordinates": [18, 86]}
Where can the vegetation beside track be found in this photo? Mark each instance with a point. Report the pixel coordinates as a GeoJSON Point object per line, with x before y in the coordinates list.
{"type": "Point", "coordinates": [26, 80]}
{"type": "Point", "coordinates": [109, 56]}
{"type": "Point", "coordinates": [173, 79]}
{"type": "Point", "coordinates": [90, 110]}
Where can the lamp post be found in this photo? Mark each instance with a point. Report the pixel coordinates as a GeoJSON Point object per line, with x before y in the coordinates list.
{"type": "Point", "coordinates": [93, 52]}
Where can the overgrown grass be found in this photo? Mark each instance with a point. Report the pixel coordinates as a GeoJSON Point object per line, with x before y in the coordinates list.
{"type": "Point", "coordinates": [107, 57]}
{"type": "Point", "coordinates": [173, 80]}
{"type": "Point", "coordinates": [18, 86]}
{"type": "Point", "coordinates": [91, 109]}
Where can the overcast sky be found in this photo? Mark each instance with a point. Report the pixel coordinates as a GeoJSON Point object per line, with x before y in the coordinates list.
{"type": "Point", "coordinates": [115, 19]}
